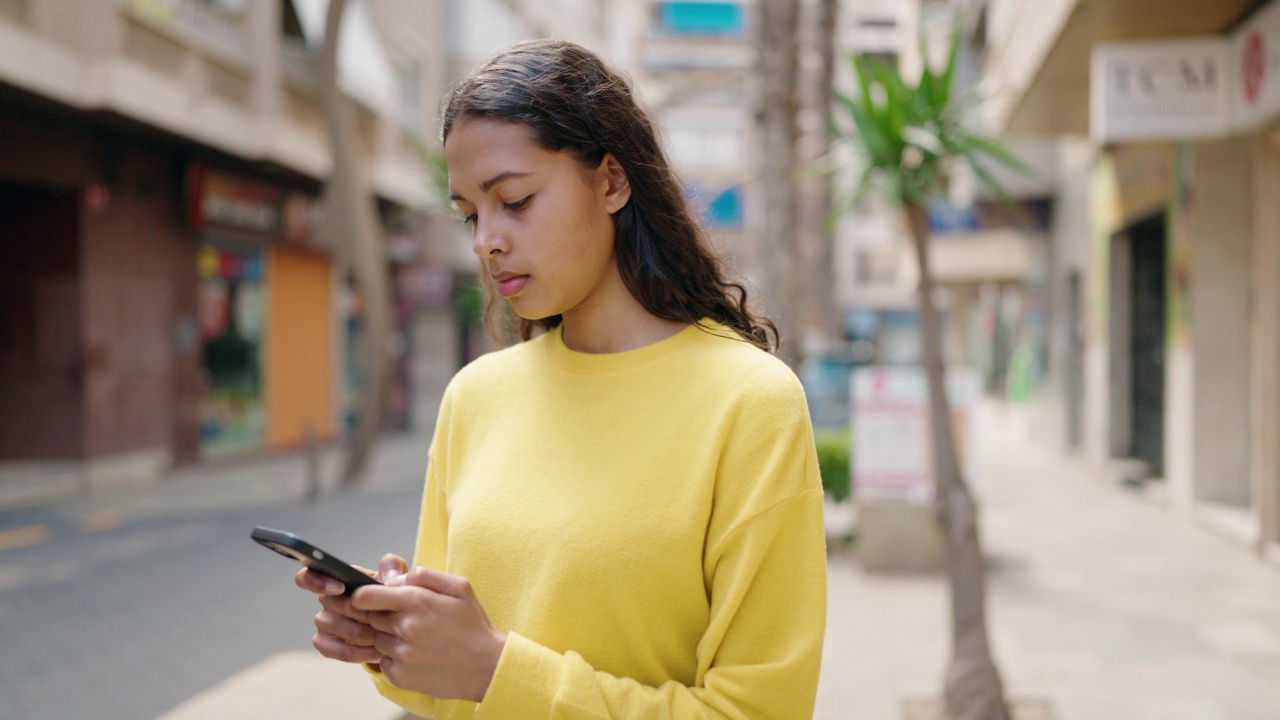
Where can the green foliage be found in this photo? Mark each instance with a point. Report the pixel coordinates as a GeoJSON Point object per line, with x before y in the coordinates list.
{"type": "Point", "coordinates": [833, 461]}
{"type": "Point", "coordinates": [432, 157]}
{"type": "Point", "coordinates": [469, 304]}
{"type": "Point", "coordinates": [909, 135]}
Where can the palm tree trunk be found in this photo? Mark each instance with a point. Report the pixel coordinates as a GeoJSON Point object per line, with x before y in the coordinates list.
{"type": "Point", "coordinates": [777, 109]}
{"type": "Point", "coordinates": [973, 687]}
{"type": "Point", "coordinates": [830, 313]}
{"type": "Point", "coordinates": [350, 221]}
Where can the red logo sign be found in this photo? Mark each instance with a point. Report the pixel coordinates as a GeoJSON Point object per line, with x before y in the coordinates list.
{"type": "Point", "coordinates": [1255, 67]}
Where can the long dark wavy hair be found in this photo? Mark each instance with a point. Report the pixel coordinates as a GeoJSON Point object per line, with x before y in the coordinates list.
{"type": "Point", "coordinates": [571, 101]}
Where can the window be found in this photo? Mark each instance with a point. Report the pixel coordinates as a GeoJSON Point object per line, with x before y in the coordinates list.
{"type": "Point", "coordinates": [411, 116]}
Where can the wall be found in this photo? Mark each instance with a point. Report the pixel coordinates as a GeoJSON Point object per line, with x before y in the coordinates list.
{"type": "Point", "coordinates": [1265, 374]}
{"type": "Point", "coordinates": [1103, 217]}
{"type": "Point", "coordinates": [1220, 227]}
{"type": "Point", "coordinates": [1069, 254]}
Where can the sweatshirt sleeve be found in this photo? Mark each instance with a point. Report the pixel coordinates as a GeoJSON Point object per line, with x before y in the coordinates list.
{"type": "Point", "coordinates": [766, 575]}
{"type": "Point", "coordinates": [430, 551]}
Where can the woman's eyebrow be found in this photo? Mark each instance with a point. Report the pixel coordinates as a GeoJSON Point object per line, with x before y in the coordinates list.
{"type": "Point", "coordinates": [488, 185]}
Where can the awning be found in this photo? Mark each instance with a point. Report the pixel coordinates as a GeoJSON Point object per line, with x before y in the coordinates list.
{"type": "Point", "coordinates": [1052, 98]}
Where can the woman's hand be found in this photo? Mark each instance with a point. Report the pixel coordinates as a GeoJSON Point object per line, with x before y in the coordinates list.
{"type": "Point", "coordinates": [343, 632]}
{"type": "Point", "coordinates": [433, 636]}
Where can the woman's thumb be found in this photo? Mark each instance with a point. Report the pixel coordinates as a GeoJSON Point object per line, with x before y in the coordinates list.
{"type": "Point", "coordinates": [391, 569]}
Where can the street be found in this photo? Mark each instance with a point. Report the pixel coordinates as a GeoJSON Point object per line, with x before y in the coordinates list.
{"type": "Point", "coordinates": [130, 621]}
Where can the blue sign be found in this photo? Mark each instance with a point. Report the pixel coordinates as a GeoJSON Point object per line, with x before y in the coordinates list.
{"type": "Point", "coordinates": [947, 218]}
{"type": "Point", "coordinates": [702, 18]}
{"type": "Point", "coordinates": [723, 210]}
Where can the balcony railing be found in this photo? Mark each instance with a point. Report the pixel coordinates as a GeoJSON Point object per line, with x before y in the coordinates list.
{"type": "Point", "coordinates": [198, 22]}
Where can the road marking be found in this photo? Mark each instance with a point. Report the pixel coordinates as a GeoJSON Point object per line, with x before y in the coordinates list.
{"type": "Point", "coordinates": [23, 536]}
{"type": "Point", "coordinates": [100, 520]}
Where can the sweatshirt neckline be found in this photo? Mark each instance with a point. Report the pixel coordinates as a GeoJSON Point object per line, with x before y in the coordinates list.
{"type": "Point", "coordinates": [583, 363]}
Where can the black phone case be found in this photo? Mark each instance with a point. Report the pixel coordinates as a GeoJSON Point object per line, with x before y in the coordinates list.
{"type": "Point", "coordinates": [301, 551]}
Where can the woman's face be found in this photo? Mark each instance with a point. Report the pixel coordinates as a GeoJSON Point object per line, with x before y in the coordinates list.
{"type": "Point", "coordinates": [541, 222]}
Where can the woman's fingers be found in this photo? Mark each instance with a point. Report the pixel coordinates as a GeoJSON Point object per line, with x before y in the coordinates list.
{"type": "Point", "coordinates": [344, 628]}
{"type": "Point", "coordinates": [387, 645]}
{"type": "Point", "coordinates": [341, 604]}
{"type": "Point", "coordinates": [390, 568]}
{"type": "Point", "coordinates": [335, 648]}
{"type": "Point", "coordinates": [317, 583]}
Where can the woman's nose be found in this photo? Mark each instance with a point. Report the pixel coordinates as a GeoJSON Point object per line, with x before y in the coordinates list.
{"type": "Point", "coordinates": [488, 240]}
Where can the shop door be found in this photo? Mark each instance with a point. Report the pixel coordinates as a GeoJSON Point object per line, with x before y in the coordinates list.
{"type": "Point", "coordinates": [300, 363]}
{"type": "Point", "coordinates": [1147, 242]}
{"type": "Point", "coordinates": [41, 324]}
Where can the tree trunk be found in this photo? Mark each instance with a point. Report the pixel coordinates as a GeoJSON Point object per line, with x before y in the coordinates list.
{"type": "Point", "coordinates": [830, 314]}
{"type": "Point", "coordinates": [777, 107]}
{"type": "Point", "coordinates": [973, 687]}
{"type": "Point", "coordinates": [350, 222]}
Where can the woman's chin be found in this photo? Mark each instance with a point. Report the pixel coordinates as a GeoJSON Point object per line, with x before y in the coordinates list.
{"type": "Point", "coordinates": [528, 311]}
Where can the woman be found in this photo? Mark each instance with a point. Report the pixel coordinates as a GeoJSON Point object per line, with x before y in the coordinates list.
{"type": "Point", "coordinates": [622, 515]}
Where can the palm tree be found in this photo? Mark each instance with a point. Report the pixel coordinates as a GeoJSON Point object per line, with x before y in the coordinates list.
{"type": "Point", "coordinates": [910, 137]}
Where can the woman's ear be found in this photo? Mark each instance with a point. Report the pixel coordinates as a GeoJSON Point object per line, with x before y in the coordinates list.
{"type": "Point", "coordinates": [613, 179]}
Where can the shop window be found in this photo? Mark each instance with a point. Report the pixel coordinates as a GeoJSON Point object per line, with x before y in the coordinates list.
{"type": "Point", "coordinates": [232, 313]}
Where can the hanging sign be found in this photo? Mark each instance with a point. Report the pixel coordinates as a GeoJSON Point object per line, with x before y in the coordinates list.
{"type": "Point", "coordinates": [219, 198]}
{"type": "Point", "coordinates": [1161, 90]}
{"type": "Point", "coordinates": [1255, 53]}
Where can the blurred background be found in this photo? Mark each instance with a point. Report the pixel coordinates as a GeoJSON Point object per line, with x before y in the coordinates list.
{"type": "Point", "coordinates": [184, 318]}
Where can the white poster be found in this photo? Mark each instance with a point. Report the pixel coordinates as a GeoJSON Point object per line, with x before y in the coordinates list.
{"type": "Point", "coordinates": [892, 452]}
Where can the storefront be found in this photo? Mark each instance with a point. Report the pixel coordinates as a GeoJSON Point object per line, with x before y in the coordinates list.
{"type": "Point", "coordinates": [1185, 265]}
{"type": "Point", "coordinates": [266, 314]}
{"type": "Point", "coordinates": [232, 411]}
{"type": "Point", "coordinates": [98, 324]}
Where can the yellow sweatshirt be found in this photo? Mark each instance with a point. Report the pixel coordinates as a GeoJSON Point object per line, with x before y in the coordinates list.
{"type": "Point", "coordinates": [645, 526]}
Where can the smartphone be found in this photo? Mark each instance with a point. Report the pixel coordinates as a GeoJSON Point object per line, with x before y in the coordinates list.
{"type": "Point", "coordinates": [312, 557]}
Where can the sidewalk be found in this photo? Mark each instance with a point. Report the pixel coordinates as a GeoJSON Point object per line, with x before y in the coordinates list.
{"type": "Point", "coordinates": [1099, 602]}
{"type": "Point", "coordinates": [233, 483]}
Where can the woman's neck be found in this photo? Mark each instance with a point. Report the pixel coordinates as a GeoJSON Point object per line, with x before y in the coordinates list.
{"type": "Point", "coordinates": [627, 328]}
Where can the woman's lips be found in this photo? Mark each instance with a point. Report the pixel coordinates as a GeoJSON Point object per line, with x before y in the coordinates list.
{"type": "Point", "coordinates": [512, 285]}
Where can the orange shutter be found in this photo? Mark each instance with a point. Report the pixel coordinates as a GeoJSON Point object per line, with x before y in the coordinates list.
{"type": "Point", "coordinates": [299, 387]}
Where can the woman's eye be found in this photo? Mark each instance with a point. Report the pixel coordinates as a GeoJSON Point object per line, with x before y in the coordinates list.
{"type": "Point", "coordinates": [518, 204]}
{"type": "Point", "coordinates": [469, 220]}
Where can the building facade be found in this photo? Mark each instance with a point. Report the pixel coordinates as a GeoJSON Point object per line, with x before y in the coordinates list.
{"type": "Point", "coordinates": [168, 295]}
{"type": "Point", "coordinates": [1166, 243]}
